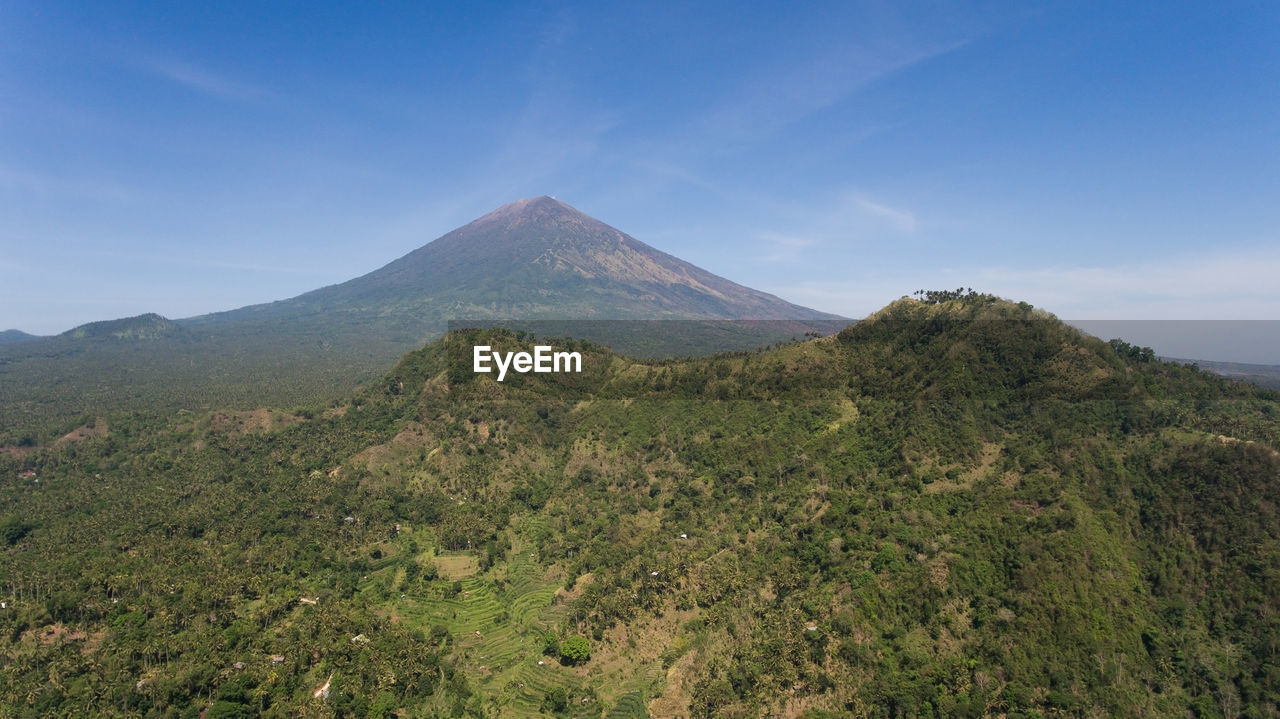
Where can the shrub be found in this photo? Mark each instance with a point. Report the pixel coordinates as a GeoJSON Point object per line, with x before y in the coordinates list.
{"type": "Point", "coordinates": [575, 650]}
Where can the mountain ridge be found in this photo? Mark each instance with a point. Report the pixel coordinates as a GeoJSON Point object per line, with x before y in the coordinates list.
{"type": "Point", "coordinates": [533, 259]}
{"type": "Point", "coordinates": [148, 326]}
{"type": "Point", "coordinates": [16, 335]}
{"type": "Point", "coordinates": [526, 259]}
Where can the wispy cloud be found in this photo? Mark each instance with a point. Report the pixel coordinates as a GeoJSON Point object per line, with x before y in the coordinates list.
{"type": "Point", "coordinates": [898, 219]}
{"type": "Point", "coordinates": [552, 35]}
{"type": "Point", "coordinates": [540, 151]}
{"type": "Point", "coordinates": [763, 103]}
{"type": "Point", "coordinates": [781, 247]}
{"type": "Point", "coordinates": [204, 81]}
{"type": "Point", "coordinates": [789, 93]}
{"type": "Point", "coordinates": [665, 170]}
{"type": "Point", "coordinates": [843, 218]}
{"type": "Point", "coordinates": [555, 132]}
{"type": "Point", "coordinates": [783, 240]}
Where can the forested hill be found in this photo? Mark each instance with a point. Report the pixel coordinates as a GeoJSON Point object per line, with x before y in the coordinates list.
{"type": "Point", "coordinates": [146, 327]}
{"type": "Point", "coordinates": [8, 336]}
{"type": "Point", "coordinates": [959, 507]}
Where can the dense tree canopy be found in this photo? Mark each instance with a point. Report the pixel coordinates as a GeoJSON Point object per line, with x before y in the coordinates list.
{"type": "Point", "coordinates": [953, 508]}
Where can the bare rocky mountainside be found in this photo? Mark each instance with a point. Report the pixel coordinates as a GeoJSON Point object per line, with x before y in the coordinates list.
{"type": "Point", "coordinates": [539, 258]}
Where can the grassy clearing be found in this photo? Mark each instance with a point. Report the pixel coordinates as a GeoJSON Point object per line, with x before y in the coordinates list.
{"type": "Point", "coordinates": [498, 620]}
{"type": "Point", "coordinates": [454, 566]}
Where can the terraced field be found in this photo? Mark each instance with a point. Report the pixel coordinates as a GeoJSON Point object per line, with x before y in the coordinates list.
{"type": "Point", "coordinates": [498, 621]}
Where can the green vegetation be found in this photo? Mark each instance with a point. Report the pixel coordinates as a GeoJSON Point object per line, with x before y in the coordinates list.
{"type": "Point", "coordinates": [575, 650]}
{"type": "Point", "coordinates": [150, 326]}
{"type": "Point", "coordinates": [7, 336]}
{"type": "Point", "coordinates": [13, 529]}
{"type": "Point", "coordinates": [958, 507]}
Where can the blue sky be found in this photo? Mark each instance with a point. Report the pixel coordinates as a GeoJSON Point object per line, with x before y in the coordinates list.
{"type": "Point", "coordinates": [1101, 160]}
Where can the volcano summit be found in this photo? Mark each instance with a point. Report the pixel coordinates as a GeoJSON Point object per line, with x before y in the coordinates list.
{"type": "Point", "coordinates": [533, 259]}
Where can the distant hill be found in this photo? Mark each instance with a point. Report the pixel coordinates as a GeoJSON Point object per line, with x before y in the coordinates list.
{"type": "Point", "coordinates": [1263, 375]}
{"type": "Point", "coordinates": [535, 259]}
{"type": "Point", "coordinates": [10, 336]}
{"type": "Point", "coordinates": [150, 326]}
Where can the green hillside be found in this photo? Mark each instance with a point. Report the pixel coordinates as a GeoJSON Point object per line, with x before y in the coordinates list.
{"type": "Point", "coordinates": [150, 326]}
{"type": "Point", "coordinates": [9, 336]}
{"type": "Point", "coordinates": [957, 507]}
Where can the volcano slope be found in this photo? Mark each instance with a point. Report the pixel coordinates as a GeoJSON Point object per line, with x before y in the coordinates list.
{"type": "Point", "coordinates": [955, 508]}
{"type": "Point", "coordinates": [536, 259]}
